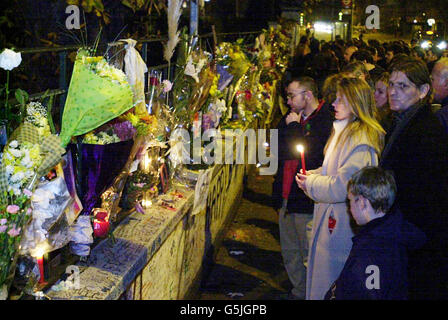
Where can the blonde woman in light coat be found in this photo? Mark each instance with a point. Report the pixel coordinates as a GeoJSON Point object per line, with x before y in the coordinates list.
{"type": "Point", "coordinates": [356, 141]}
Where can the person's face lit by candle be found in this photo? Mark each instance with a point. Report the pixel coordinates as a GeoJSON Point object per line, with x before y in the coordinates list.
{"type": "Point", "coordinates": [341, 107]}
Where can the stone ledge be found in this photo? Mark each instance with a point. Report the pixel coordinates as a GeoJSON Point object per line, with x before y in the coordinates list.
{"type": "Point", "coordinates": [111, 269]}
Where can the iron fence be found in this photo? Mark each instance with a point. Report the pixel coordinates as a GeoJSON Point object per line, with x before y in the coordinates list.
{"type": "Point", "coordinates": [38, 72]}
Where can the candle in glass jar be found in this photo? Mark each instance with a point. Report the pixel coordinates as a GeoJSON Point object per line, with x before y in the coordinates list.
{"type": "Point", "coordinates": [302, 155]}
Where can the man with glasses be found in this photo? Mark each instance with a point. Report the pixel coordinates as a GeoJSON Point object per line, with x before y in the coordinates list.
{"type": "Point", "coordinates": [416, 150]}
{"type": "Point", "coordinates": [308, 123]}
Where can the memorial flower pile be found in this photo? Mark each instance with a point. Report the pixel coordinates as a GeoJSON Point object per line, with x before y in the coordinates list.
{"type": "Point", "coordinates": [233, 56]}
{"type": "Point", "coordinates": [111, 133]}
{"type": "Point", "coordinates": [98, 93]}
{"type": "Point", "coordinates": [36, 114]}
{"type": "Point", "coordinates": [26, 157]}
{"type": "Point", "coordinates": [15, 212]}
{"type": "Point", "coordinates": [101, 67]}
{"type": "Point", "coordinates": [192, 85]}
{"type": "Point", "coordinates": [21, 160]}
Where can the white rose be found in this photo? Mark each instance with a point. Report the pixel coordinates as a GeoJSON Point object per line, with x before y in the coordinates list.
{"type": "Point", "coordinates": [10, 59]}
{"type": "Point", "coordinates": [13, 144]}
{"type": "Point", "coordinates": [17, 177]}
{"type": "Point", "coordinates": [16, 153]}
{"type": "Point", "coordinates": [9, 170]}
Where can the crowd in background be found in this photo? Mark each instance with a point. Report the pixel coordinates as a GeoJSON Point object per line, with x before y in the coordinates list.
{"type": "Point", "coordinates": [389, 103]}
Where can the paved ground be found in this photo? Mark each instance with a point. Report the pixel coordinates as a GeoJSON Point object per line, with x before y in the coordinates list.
{"type": "Point", "coordinates": [248, 264]}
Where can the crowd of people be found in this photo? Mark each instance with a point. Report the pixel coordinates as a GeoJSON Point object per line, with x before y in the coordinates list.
{"type": "Point", "coordinates": [368, 216]}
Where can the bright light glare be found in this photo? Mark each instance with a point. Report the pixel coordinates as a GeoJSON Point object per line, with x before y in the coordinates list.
{"type": "Point", "coordinates": [425, 45]}
{"type": "Point", "coordinates": [300, 148]}
{"type": "Point", "coordinates": [442, 45]}
{"type": "Point", "coordinates": [323, 27]}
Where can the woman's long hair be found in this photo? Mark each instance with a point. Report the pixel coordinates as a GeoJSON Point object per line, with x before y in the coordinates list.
{"type": "Point", "coordinates": [363, 121]}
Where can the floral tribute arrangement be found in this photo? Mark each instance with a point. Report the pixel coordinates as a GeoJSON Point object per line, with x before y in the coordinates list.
{"type": "Point", "coordinates": [27, 157]}
{"type": "Point", "coordinates": [97, 94]}
{"type": "Point", "coordinates": [192, 82]}
{"type": "Point", "coordinates": [114, 137]}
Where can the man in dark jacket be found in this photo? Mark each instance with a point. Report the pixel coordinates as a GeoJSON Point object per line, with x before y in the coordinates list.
{"type": "Point", "coordinates": [309, 124]}
{"type": "Point", "coordinates": [439, 76]}
{"type": "Point", "coordinates": [376, 268]}
{"type": "Point", "coordinates": [417, 151]}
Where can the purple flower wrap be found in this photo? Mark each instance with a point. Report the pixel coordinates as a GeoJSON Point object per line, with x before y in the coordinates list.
{"type": "Point", "coordinates": [98, 167]}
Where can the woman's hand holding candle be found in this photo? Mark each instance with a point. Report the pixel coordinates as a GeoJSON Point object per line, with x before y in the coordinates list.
{"type": "Point", "coordinates": [301, 181]}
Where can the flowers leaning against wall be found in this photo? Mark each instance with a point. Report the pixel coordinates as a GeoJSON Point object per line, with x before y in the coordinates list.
{"type": "Point", "coordinates": [21, 161]}
{"type": "Point", "coordinates": [15, 212]}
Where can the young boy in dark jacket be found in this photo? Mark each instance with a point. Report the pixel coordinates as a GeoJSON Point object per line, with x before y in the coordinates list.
{"type": "Point", "coordinates": [376, 268]}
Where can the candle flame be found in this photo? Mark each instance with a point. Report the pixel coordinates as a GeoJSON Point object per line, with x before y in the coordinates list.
{"type": "Point", "coordinates": [300, 148]}
{"type": "Point", "coordinates": [39, 253]}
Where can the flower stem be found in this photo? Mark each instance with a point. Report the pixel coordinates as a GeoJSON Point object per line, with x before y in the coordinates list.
{"type": "Point", "coordinates": [7, 95]}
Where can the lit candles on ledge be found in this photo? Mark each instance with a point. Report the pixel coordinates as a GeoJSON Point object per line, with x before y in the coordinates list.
{"type": "Point", "coordinates": [301, 149]}
{"type": "Point", "coordinates": [101, 222]}
{"type": "Point", "coordinates": [39, 255]}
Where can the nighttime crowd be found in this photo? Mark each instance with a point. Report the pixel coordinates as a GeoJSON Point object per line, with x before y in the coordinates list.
{"type": "Point", "coordinates": [367, 216]}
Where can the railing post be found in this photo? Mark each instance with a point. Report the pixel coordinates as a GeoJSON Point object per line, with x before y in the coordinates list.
{"type": "Point", "coordinates": [193, 17]}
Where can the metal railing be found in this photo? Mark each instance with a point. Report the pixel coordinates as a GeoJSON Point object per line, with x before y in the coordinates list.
{"type": "Point", "coordinates": [205, 41]}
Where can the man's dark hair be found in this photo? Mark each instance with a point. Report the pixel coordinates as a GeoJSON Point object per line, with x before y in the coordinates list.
{"type": "Point", "coordinates": [381, 51]}
{"type": "Point", "coordinates": [395, 48]}
{"type": "Point", "coordinates": [362, 55]}
{"type": "Point", "coordinates": [372, 50]}
{"type": "Point", "coordinates": [373, 43]}
{"type": "Point", "coordinates": [416, 71]}
{"type": "Point", "coordinates": [307, 82]}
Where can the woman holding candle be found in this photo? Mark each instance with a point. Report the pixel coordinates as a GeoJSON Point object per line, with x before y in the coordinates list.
{"type": "Point", "coordinates": [355, 142]}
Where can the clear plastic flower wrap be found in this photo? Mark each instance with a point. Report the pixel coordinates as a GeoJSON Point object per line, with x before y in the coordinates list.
{"type": "Point", "coordinates": [48, 229]}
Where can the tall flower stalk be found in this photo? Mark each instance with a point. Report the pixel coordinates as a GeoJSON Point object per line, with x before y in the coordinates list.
{"type": "Point", "coordinates": [6, 111]}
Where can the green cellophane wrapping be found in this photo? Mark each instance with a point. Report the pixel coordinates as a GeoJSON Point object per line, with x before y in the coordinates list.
{"type": "Point", "coordinates": [92, 101]}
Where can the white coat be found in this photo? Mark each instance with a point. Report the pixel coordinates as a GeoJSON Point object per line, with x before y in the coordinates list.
{"type": "Point", "coordinates": [327, 186]}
